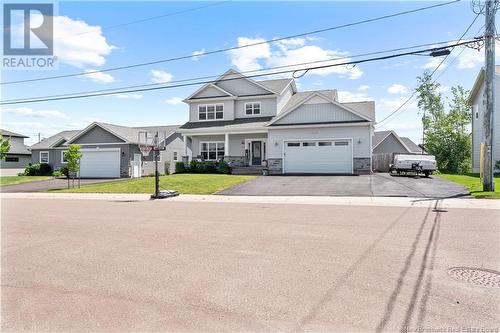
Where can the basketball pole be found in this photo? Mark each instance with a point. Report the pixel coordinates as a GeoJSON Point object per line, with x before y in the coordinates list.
{"type": "Point", "coordinates": [156, 150]}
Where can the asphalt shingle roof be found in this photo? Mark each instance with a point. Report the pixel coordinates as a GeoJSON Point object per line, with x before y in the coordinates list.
{"type": "Point", "coordinates": [254, 121]}
{"type": "Point", "coordinates": [275, 85]}
{"type": "Point", "coordinates": [414, 148]}
{"type": "Point", "coordinates": [379, 136]}
{"type": "Point", "coordinates": [9, 133]}
{"type": "Point", "coordinates": [50, 141]}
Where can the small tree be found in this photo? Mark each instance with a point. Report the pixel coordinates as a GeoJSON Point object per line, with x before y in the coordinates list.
{"type": "Point", "coordinates": [73, 156]}
{"type": "Point", "coordinates": [4, 146]}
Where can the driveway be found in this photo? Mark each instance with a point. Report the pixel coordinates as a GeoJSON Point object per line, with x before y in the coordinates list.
{"type": "Point", "coordinates": [168, 266]}
{"type": "Point", "coordinates": [50, 184]}
{"type": "Point", "coordinates": [378, 184]}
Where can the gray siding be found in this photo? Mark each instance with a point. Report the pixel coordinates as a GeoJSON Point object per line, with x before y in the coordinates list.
{"type": "Point", "coordinates": [24, 160]}
{"type": "Point", "coordinates": [97, 135]}
{"type": "Point", "coordinates": [267, 107]}
{"type": "Point", "coordinates": [390, 145]}
{"type": "Point", "coordinates": [210, 92]}
{"type": "Point", "coordinates": [242, 87]}
{"type": "Point", "coordinates": [316, 113]}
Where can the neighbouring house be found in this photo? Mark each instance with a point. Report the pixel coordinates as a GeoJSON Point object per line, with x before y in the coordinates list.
{"type": "Point", "coordinates": [109, 151]}
{"type": "Point", "coordinates": [476, 101]}
{"type": "Point", "coordinates": [386, 144]}
{"type": "Point", "coordinates": [253, 123]}
{"type": "Point", "coordinates": [18, 157]}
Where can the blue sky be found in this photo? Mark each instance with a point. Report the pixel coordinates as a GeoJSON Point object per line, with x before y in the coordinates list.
{"type": "Point", "coordinates": [84, 43]}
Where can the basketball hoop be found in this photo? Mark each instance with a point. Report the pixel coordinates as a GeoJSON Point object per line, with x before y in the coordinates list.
{"type": "Point", "coordinates": [145, 149]}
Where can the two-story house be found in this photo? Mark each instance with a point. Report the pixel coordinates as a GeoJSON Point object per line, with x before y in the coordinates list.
{"type": "Point", "coordinates": [253, 123]}
{"type": "Point", "coordinates": [18, 156]}
{"type": "Point", "coordinates": [476, 101]}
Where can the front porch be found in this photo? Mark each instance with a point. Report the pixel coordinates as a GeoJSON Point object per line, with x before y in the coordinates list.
{"type": "Point", "coordinates": [246, 153]}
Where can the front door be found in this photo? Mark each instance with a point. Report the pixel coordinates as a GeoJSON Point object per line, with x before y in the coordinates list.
{"type": "Point", "coordinates": [137, 166]}
{"type": "Point", "coordinates": [256, 152]}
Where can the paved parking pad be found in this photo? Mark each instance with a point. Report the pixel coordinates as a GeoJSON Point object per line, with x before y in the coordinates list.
{"type": "Point", "coordinates": [380, 185]}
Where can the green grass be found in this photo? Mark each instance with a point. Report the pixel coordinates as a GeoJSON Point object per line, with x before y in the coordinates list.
{"type": "Point", "coordinates": [12, 180]}
{"type": "Point", "coordinates": [474, 184]}
{"type": "Point", "coordinates": [182, 183]}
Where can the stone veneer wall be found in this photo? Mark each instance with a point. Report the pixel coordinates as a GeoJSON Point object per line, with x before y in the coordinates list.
{"type": "Point", "coordinates": [275, 166]}
{"type": "Point", "coordinates": [362, 165]}
{"type": "Point", "coordinates": [237, 161]}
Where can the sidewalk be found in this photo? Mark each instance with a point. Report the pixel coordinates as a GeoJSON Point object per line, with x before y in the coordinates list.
{"type": "Point", "coordinates": [464, 203]}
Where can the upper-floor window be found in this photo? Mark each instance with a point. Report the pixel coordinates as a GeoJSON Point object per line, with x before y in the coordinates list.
{"type": "Point", "coordinates": [475, 110]}
{"type": "Point", "coordinates": [252, 108]}
{"type": "Point", "coordinates": [210, 111]}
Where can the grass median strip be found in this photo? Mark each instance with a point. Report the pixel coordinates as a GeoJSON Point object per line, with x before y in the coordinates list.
{"type": "Point", "coordinates": [474, 184]}
{"type": "Point", "coordinates": [13, 180]}
{"type": "Point", "coordinates": [182, 183]}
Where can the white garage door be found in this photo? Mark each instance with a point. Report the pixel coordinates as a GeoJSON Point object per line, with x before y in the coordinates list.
{"type": "Point", "coordinates": [318, 156]}
{"type": "Point", "coordinates": [100, 163]}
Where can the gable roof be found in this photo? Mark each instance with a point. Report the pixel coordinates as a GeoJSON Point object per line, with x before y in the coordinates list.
{"type": "Point", "coordinates": [478, 82]}
{"type": "Point", "coordinates": [209, 85]}
{"type": "Point", "coordinates": [277, 85]}
{"type": "Point", "coordinates": [51, 141]}
{"type": "Point", "coordinates": [12, 134]}
{"type": "Point", "coordinates": [414, 148]}
{"type": "Point", "coordinates": [329, 95]}
{"type": "Point", "coordinates": [379, 137]}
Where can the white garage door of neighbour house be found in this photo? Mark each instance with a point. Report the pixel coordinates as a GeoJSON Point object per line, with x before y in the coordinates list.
{"type": "Point", "coordinates": [318, 156]}
{"type": "Point", "coordinates": [100, 163]}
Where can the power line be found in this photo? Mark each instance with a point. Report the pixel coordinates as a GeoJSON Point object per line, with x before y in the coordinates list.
{"type": "Point", "coordinates": [433, 72]}
{"type": "Point", "coordinates": [109, 27]}
{"type": "Point", "coordinates": [234, 47]}
{"type": "Point", "coordinates": [44, 99]}
{"type": "Point", "coordinates": [114, 90]}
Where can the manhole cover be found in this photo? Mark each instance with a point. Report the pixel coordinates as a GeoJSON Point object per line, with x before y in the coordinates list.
{"type": "Point", "coordinates": [477, 276]}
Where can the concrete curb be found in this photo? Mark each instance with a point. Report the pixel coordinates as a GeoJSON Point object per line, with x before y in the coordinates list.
{"type": "Point", "coordinates": [462, 203]}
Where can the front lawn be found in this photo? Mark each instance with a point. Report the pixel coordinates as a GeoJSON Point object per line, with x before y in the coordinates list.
{"type": "Point", "coordinates": [473, 182]}
{"type": "Point", "coordinates": [13, 180]}
{"type": "Point", "coordinates": [182, 183]}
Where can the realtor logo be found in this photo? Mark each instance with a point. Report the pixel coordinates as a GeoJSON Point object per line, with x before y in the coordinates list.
{"type": "Point", "coordinates": [28, 29]}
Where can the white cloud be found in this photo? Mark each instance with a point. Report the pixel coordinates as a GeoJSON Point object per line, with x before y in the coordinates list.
{"type": "Point", "coordinates": [363, 87]}
{"type": "Point", "coordinates": [347, 96]}
{"type": "Point", "coordinates": [99, 77]}
{"type": "Point", "coordinates": [432, 64]}
{"type": "Point", "coordinates": [443, 89]}
{"type": "Point", "coordinates": [76, 43]}
{"type": "Point", "coordinates": [197, 54]}
{"type": "Point", "coordinates": [128, 96]}
{"type": "Point", "coordinates": [174, 101]}
{"type": "Point", "coordinates": [289, 52]}
{"type": "Point", "coordinates": [397, 88]}
{"type": "Point", "coordinates": [159, 76]}
{"type": "Point", "coordinates": [29, 112]}
{"type": "Point", "coordinates": [391, 104]}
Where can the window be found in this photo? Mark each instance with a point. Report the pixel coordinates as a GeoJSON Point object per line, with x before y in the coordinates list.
{"type": "Point", "coordinates": [475, 109]}
{"type": "Point", "coordinates": [293, 144]}
{"type": "Point", "coordinates": [308, 144]}
{"type": "Point", "coordinates": [252, 108]}
{"type": "Point", "coordinates": [63, 156]}
{"type": "Point", "coordinates": [11, 159]}
{"type": "Point", "coordinates": [44, 157]}
{"type": "Point", "coordinates": [324, 143]}
{"type": "Point", "coordinates": [211, 112]}
{"type": "Point", "coordinates": [175, 156]}
{"type": "Point", "coordinates": [341, 143]}
{"type": "Point", "coordinates": [212, 151]}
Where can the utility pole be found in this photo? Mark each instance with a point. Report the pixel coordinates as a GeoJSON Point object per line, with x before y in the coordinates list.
{"type": "Point", "coordinates": [38, 137]}
{"type": "Point", "coordinates": [489, 95]}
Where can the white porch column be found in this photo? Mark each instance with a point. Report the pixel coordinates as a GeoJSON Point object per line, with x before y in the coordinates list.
{"type": "Point", "coordinates": [226, 144]}
{"type": "Point", "coordinates": [185, 154]}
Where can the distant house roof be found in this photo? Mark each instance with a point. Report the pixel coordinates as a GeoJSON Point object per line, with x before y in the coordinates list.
{"type": "Point", "coordinates": [54, 139]}
{"type": "Point", "coordinates": [414, 148]}
{"type": "Point", "coordinates": [378, 137]}
{"type": "Point", "coordinates": [9, 133]}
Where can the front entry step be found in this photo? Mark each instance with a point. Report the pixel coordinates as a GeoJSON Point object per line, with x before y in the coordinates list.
{"type": "Point", "coordinates": [249, 170]}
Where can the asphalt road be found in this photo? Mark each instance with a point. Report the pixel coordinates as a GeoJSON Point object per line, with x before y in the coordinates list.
{"type": "Point", "coordinates": [86, 265]}
{"type": "Point", "coordinates": [50, 184]}
{"type": "Point", "coordinates": [378, 185]}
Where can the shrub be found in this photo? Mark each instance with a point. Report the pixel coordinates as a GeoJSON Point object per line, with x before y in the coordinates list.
{"type": "Point", "coordinates": [497, 165]}
{"type": "Point", "coordinates": [180, 167]}
{"type": "Point", "coordinates": [209, 167]}
{"type": "Point", "coordinates": [37, 169]}
{"type": "Point", "coordinates": [223, 167]}
{"type": "Point", "coordinates": [195, 166]}
{"type": "Point", "coordinates": [57, 173]}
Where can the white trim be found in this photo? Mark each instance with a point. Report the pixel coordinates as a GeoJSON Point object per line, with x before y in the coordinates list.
{"type": "Point", "coordinates": [286, 87]}
{"type": "Point", "coordinates": [253, 114]}
{"type": "Point", "coordinates": [314, 139]}
{"type": "Point", "coordinates": [100, 149]}
{"type": "Point", "coordinates": [40, 156]}
{"type": "Point", "coordinates": [86, 129]}
{"type": "Point", "coordinates": [62, 157]}
{"type": "Point", "coordinates": [206, 86]}
{"type": "Point", "coordinates": [320, 95]}
{"type": "Point", "coordinates": [103, 144]}
{"type": "Point", "coordinates": [263, 152]}
{"type": "Point", "coordinates": [232, 71]}
{"type": "Point", "coordinates": [208, 151]}
{"type": "Point", "coordinates": [215, 111]}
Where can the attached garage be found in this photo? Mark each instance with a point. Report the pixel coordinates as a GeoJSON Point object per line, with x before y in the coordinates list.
{"type": "Point", "coordinates": [100, 163]}
{"type": "Point", "coordinates": [318, 156]}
